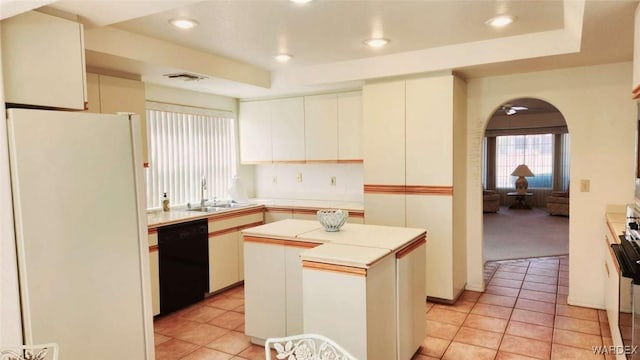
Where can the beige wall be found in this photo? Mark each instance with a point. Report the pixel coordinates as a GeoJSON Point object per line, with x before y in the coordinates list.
{"type": "Point", "coordinates": [601, 117]}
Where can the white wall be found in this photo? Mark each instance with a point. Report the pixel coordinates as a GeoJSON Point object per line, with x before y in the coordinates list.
{"type": "Point", "coordinates": [596, 103]}
{"type": "Point", "coordinates": [316, 181]}
{"type": "Point", "coordinates": [10, 323]}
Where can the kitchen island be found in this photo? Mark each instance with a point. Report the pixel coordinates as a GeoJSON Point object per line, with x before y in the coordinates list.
{"type": "Point", "coordinates": [363, 286]}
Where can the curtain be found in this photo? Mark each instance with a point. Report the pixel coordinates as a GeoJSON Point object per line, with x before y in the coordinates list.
{"type": "Point", "coordinates": [185, 147]}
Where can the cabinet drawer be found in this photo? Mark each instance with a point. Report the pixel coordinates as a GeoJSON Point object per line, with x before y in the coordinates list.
{"type": "Point", "coordinates": [223, 223]}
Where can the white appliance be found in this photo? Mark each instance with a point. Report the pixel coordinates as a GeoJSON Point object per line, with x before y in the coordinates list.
{"type": "Point", "coordinates": [78, 197]}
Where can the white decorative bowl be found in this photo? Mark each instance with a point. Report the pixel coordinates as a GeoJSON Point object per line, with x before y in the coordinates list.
{"type": "Point", "coordinates": [332, 219]}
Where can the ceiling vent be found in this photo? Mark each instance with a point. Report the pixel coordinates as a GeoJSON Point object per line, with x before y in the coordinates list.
{"type": "Point", "coordinates": [185, 76]}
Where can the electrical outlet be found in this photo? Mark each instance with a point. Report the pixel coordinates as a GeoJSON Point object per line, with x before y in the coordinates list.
{"type": "Point", "coordinates": [274, 180]}
{"type": "Point", "coordinates": [333, 181]}
{"type": "Point", "coordinates": [585, 185]}
{"type": "Point", "coordinates": [299, 177]}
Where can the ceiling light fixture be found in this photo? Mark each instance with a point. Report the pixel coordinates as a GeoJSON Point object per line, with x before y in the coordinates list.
{"type": "Point", "coordinates": [282, 57]}
{"type": "Point", "coordinates": [376, 43]}
{"type": "Point", "coordinates": [500, 21]}
{"type": "Point", "coordinates": [301, 2]}
{"type": "Point", "coordinates": [183, 23]}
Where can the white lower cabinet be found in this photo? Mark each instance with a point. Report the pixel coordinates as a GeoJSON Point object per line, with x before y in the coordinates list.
{"type": "Point", "coordinates": [155, 281]}
{"type": "Point", "coordinates": [223, 260]}
{"type": "Point", "coordinates": [410, 289]}
{"type": "Point", "coordinates": [273, 298]}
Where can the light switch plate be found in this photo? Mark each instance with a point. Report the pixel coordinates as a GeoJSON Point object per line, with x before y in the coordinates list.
{"type": "Point", "coordinates": [299, 177]}
{"type": "Point", "coordinates": [585, 185]}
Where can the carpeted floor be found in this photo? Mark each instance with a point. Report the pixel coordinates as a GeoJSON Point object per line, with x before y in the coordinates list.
{"type": "Point", "coordinates": [516, 234]}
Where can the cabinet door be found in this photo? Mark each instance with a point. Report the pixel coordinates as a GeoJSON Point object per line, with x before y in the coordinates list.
{"type": "Point", "coordinates": [385, 209]}
{"type": "Point", "coordinates": [293, 286]}
{"type": "Point", "coordinates": [125, 95]}
{"type": "Point", "coordinates": [93, 93]}
{"type": "Point", "coordinates": [43, 61]}
{"type": "Point", "coordinates": [384, 133]}
{"type": "Point", "coordinates": [255, 132]}
{"type": "Point", "coordinates": [350, 126]}
{"type": "Point", "coordinates": [321, 127]}
{"type": "Point", "coordinates": [429, 131]}
{"type": "Point", "coordinates": [155, 281]}
{"type": "Point", "coordinates": [223, 260]}
{"type": "Point", "coordinates": [287, 129]}
{"type": "Point", "coordinates": [264, 290]}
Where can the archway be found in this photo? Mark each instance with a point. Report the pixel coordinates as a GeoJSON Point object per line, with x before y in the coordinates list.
{"type": "Point", "coordinates": [527, 139]}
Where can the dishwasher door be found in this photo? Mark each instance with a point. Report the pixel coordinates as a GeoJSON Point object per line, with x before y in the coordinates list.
{"type": "Point", "coordinates": [183, 252]}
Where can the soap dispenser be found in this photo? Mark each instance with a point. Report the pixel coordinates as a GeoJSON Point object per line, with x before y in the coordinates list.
{"type": "Point", "coordinates": [165, 202]}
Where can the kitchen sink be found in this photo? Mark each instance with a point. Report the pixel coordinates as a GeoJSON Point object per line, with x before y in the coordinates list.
{"type": "Point", "coordinates": [217, 207]}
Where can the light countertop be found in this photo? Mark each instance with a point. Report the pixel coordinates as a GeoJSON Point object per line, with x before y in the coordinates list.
{"type": "Point", "coordinates": [347, 255]}
{"type": "Point", "coordinates": [288, 229]}
{"type": "Point", "coordinates": [177, 215]}
{"type": "Point", "coordinates": [384, 237]}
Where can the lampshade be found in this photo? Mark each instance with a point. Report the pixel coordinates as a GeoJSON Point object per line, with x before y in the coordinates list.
{"type": "Point", "coordinates": [522, 170]}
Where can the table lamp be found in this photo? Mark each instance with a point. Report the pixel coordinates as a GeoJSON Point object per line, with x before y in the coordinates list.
{"type": "Point", "coordinates": [521, 183]}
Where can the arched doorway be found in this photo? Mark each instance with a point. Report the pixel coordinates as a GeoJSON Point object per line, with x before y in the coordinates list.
{"type": "Point", "coordinates": [526, 139]}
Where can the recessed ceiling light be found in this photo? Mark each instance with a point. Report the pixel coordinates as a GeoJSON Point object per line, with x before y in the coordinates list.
{"type": "Point", "coordinates": [377, 43]}
{"type": "Point", "coordinates": [183, 23]}
{"type": "Point", "coordinates": [300, 1]}
{"type": "Point", "coordinates": [283, 57]}
{"type": "Point", "coordinates": [500, 21]}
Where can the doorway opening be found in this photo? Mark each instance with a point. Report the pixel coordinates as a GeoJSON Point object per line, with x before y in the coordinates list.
{"type": "Point", "coordinates": [525, 174]}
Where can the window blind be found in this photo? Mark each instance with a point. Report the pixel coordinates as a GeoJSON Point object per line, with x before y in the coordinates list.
{"type": "Point", "coordinates": [186, 145]}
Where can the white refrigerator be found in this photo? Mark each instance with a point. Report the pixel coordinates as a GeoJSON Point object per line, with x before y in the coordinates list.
{"type": "Point", "coordinates": [78, 197]}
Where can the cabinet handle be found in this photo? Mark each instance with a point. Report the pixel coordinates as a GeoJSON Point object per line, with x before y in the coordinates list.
{"type": "Point", "coordinates": [606, 268]}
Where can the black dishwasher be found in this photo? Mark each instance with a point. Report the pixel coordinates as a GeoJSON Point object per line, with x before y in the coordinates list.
{"type": "Point", "coordinates": [183, 252]}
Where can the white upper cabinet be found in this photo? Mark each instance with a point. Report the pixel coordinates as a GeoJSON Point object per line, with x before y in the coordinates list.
{"type": "Point", "coordinates": [350, 126]}
{"type": "Point", "coordinates": [384, 133]}
{"type": "Point", "coordinates": [321, 127]}
{"type": "Point", "coordinates": [333, 127]}
{"type": "Point", "coordinates": [43, 61]}
{"type": "Point", "coordinates": [255, 132]}
{"type": "Point", "coordinates": [287, 129]}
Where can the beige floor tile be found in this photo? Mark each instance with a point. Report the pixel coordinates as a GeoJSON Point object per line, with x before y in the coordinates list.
{"type": "Point", "coordinates": [486, 323]}
{"type": "Point", "coordinates": [543, 272]}
{"type": "Point", "coordinates": [530, 331]}
{"type": "Point", "coordinates": [232, 343]}
{"type": "Point", "coordinates": [199, 333]}
{"type": "Point", "coordinates": [159, 339]}
{"type": "Point", "coordinates": [207, 354]}
{"type": "Point", "coordinates": [529, 285]}
{"type": "Point", "coordinates": [562, 352]}
{"type": "Point", "coordinates": [459, 306]}
{"type": "Point", "coordinates": [500, 300]}
{"type": "Point", "coordinates": [202, 314]}
{"type": "Point", "coordinates": [510, 356]}
{"type": "Point", "coordinates": [506, 283]}
{"type": "Point", "coordinates": [224, 302]}
{"type": "Point", "coordinates": [432, 346]}
{"type": "Point", "coordinates": [492, 310]}
{"type": "Point", "coordinates": [478, 337]}
{"type": "Point", "coordinates": [229, 320]}
{"type": "Point", "coordinates": [537, 295]}
{"type": "Point", "coordinates": [459, 351]}
{"type": "Point", "coordinates": [508, 275]}
{"type": "Point", "coordinates": [532, 317]}
{"type": "Point", "coordinates": [513, 268]}
{"type": "Point", "coordinates": [174, 349]}
{"type": "Point", "coordinates": [576, 339]}
{"type": "Point", "coordinates": [441, 330]}
{"type": "Point", "coordinates": [470, 296]}
{"type": "Point", "coordinates": [539, 306]}
{"type": "Point", "coordinates": [551, 280]}
{"type": "Point", "coordinates": [579, 325]}
{"type": "Point", "coordinates": [577, 312]}
{"type": "Point", "coordinates": [528, 347]}
{"type": "Point", "coordinates": [501, 290]}
{"type": "Point", "coordinates": [446, 316]}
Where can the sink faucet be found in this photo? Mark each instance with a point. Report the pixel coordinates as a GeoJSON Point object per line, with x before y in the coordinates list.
{"type": "Point", "coordinates": [203, 187]}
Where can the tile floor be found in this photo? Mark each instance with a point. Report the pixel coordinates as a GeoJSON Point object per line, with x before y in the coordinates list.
{"type": "Point", "coordinates": [523, 314]}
